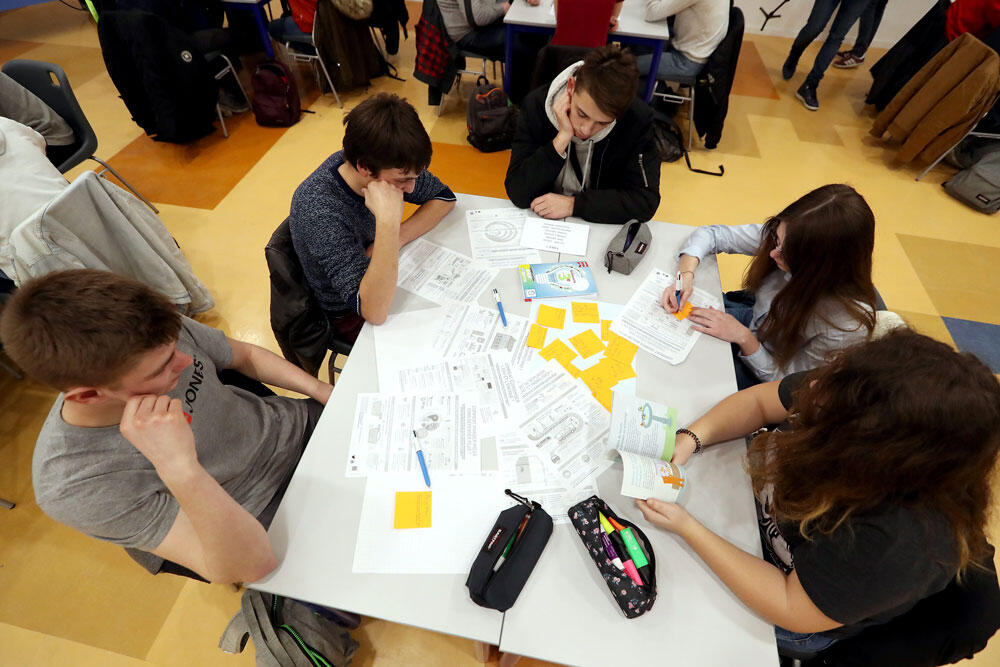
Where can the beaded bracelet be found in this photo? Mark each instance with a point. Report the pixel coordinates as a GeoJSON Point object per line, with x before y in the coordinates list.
{"type": "Point", "coordinates": [698, 447]}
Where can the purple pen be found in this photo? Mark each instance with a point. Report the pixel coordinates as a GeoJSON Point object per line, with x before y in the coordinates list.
{"type": "Point", "coordinates": [610, 550]}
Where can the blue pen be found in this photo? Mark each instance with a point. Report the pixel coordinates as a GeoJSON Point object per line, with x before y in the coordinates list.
{"type": "Point", "coordinates": [420, 459]}
{"type": "Point", "coordinates": [503, 316]}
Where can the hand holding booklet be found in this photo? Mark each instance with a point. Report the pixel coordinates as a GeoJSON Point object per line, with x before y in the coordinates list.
{"type": "Point", "coordinates": [643, 434]}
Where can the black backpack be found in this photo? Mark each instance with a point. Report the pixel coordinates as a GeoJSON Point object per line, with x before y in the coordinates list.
{"type": "Point", "coordinates": [491, 117]}
{"type": "Point", "coordinates": [275, 95]}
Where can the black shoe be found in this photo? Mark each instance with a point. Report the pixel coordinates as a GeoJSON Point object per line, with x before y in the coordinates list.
{"type": "Point", "coordinates": [788, 69]}
{"type": "Point", "coordinates": [807, 95]}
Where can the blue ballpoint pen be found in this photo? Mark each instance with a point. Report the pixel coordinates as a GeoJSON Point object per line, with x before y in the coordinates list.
{"type": "Point", "coordinates": [420, 460]}
{"type": "Point", "coordinates": [503, 316]}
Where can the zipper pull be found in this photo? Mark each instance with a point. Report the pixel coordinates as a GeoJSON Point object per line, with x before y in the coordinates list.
{"type": "Point", "coordinates": [521, 499]}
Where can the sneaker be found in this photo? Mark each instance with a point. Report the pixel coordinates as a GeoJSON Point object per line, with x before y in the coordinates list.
{"type": "Point", "coordinates": [230, 103]}
{"type": "Point", "coordinates": [847, 60]}
{"type": "Point", "coordinates": [788, 69]}
{"type": "Point", "coordinates": [807, 95]}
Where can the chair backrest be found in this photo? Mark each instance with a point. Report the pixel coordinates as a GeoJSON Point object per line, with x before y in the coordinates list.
{"type": "Point", "coordinates": [49, 82]}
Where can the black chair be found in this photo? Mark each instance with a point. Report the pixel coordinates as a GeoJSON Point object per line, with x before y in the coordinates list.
{"type": "Point", "coordinates": [48, 81]}
{"type": "Point", "coordinates": [552, 60]}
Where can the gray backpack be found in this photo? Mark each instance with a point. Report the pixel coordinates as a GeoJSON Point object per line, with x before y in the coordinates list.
{"type": "Point", "coordinates": [979, 185]}
{"type": "Point", "coordinates": [286, 633]}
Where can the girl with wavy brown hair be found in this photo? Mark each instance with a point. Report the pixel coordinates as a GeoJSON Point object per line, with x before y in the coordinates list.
{"type": "Point", "coordinates": [808, 291]}
{"type": "Point", "coordinates": [871, 496]}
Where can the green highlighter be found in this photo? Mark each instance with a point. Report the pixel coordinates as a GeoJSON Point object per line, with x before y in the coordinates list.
{"type": "Point", "coordinates": [636, 553]}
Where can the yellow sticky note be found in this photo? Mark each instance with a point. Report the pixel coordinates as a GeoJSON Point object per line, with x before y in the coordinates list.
{"type": "Point", "coordinates": [619, 371]}
{"type": "Point", "coordinates": [557, 350]}
{"type": "Point", "coordinates": [570, 368]}
{"type": "Point", "coordinates": [604, 397]}
{"type": "Point", "coordinates": [549, 316]}
{"type": "Point", "coordinates": [684, 312]}
{"type": "Point", "coordinates": [413, 509]}
{"type": "Point", "coordinates": [620, 350]}
{"type": "Point", "coordinates": [585, 312]}
{"type": "Point", "coordinates": [599, 376]}
{"type": "Point", "coordinates": [536, 337]}
{"type": "Point", "coordinates": [605, 329]}
{"type": "Point", "coordinates": [587, 343]}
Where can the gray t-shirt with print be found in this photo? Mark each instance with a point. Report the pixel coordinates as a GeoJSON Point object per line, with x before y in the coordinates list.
{"type": "Point", "coordinates": [94, 480]}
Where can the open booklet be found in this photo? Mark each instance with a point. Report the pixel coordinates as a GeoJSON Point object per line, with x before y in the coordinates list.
{"type": "Point", "coordinates": [643, 434]}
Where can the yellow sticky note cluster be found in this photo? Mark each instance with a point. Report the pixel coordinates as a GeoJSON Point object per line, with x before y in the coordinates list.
{"type": "Point", "coordinates": [620, 350]}
{"type": "Point", "coordinates": [605, 330]}
{"type": "Point", "coordinates": [587, 343]}
{"type": "Point", "coordinates": [551, 317]}
{"type": "Point", "coordinates": [585, 312]}
{"type": "Point", "coordinates": [536, 336]}
{"type": "Point", "coordinates": [413, 510]}
{"type": "Point", "coordinates": [557, 350]}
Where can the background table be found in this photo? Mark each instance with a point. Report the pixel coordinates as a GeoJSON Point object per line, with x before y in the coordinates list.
{"type": "Point", "coordinates": [632, 28]}
{"type": "Point", "coordinates": [695, 619]}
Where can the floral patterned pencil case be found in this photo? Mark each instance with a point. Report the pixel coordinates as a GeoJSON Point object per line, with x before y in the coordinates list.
{"type": "Point", "coordinates": [633, 555]}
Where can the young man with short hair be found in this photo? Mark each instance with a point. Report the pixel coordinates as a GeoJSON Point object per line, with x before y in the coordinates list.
{"type": "Point", "coordinates": [347, 218]}
{"type": "Point", "coordinates": [145, 447]}
{"type": "Point", "coordinates": [584, 145]}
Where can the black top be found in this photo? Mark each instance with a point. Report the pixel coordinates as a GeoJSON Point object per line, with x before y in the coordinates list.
{"type": "Point", "coordinates": [871, 569]}
{"type": "Point", "coordinates": [624, 181]}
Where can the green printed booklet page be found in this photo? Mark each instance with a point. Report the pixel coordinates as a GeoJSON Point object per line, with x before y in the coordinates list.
{"type": "Point", "coordinates": [643, 434]}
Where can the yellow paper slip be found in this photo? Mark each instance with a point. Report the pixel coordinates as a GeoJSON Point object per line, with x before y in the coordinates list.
{"type": "Point", "coordinates": [570, 368]}
{"type": "Point", "coordinates": [585, 312]}
{"type": "Point", "coordinates": [599, 376]}
{"type": "Point", "coordinates": [557, 350]}
{"type": "Point", "coordinates": [536, 337]}
{"type": "Point", "coordinates": [413, 509]}
{"type": "Point", "coordinates": [587, 343]}
{"type": "Point", "coordinates": [685, 311]}
{"type": "Point", "coordinates": [620, 350]}
{"type": "Point", "coordinates": [605, 330]}
{"type": "Point", "coordinates": [619, 371]}
{"type": "Point", "coordinates": [604, 396]}
{"type": "Point", "coordinates": [551, 317]}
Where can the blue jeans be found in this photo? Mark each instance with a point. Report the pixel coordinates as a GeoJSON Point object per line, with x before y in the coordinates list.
{"type": "Point", "coordinates": [673, 63]}
{"type": "Point", "coordinates": [740, 305]}
{"type": "Point", "coordinates": [847, 15]}
{"type": "Point", "coordinates": [486, 41]}
{"type": "Point", "coordinates": [868, 26]}
{"type": "Point", "coordinates": [802, 643]}
{"type": "Point", "coordinates": [285, 29]}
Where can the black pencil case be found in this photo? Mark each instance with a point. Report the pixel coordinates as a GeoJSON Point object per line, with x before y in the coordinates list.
{"type": "Point", "coordinates": [499, 590]}
{"type": "Point", "coordinates": [634, 600]}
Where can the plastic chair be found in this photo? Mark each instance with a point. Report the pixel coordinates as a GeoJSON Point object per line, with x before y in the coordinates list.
{"type": "Point", "coordinates": [682, 82]}
{"type": "Point", "coordinates": [48, 81]}
{"type": "Point", "coordinates": [302, 49]}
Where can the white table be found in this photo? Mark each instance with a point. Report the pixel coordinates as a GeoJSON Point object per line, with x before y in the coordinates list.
{"type": "Point", "coordinates": [695, 620]}
{"type": "Point", "coordinates": [632, 28]}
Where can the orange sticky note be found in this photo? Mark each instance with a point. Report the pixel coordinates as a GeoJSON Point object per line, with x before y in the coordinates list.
{"type": "Point", "coordinates": [599, 376]}
{"type": "Point", "coordinates": [570, 368]}
{"type": "Point", "coordinates": [619, 371]}
{"type": "Point", "coordinates": [413, 510]}
{"type": "Point", "coordinates": [585, 312]}
{"type": "Point", "coordinates": [604, 396]}
{"type": "Point", "coordinates": [620, 350]}
{"type": "Point", "coordinates": [536, 337]}
{"type": "Point", "coordinates": [549, 316]}
{"type": "Point", "coordinates": [557, 350]}
{"type": "Point", "coordinates": [685, 311]}
{"type": "Point", "coordinates": [587, 343]}
{"type": "Point", "coordinates": [605, 329]}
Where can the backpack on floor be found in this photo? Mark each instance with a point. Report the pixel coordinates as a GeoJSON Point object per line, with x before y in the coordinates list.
{"type": "Point", "coordinates": [491, 118]}
{"type": "Point", "coordinates": [275, 95]}
{"type": "Point", "coordinates": [979, 185]}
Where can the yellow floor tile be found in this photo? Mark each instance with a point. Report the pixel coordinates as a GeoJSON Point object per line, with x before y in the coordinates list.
{"type": "Point", "coordinates": [26, 648]}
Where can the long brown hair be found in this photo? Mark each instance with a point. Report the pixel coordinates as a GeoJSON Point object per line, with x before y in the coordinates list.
{"type": "Point", "coordinates": [828, 244]}
{"type": "Point", "coordinates": [899, 421]}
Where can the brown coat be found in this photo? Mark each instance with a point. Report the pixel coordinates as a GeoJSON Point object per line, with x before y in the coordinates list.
{"type": "Point", "coordinates": [942, 101]}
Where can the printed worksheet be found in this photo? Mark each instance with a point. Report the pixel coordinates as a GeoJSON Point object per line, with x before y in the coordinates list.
{"type": "Point", "coordinates": [489, 380]}
{"type": "Point", "coordinates": [642, 427]}
{"type": "Point", "coordinates": [388, 429]}
{"type": "Point", "coordinates": [495, 238]}
{"type": "Point", "coordinates": [525, 471]}
{"type": "Point", "coordinates": [441, 275]}
{"type": "Point", "coordinates": [565, 425]}
{"type": "Point", "coordinates": [555, 235]}
{"type": "Point", "coordinates": [648, 325]}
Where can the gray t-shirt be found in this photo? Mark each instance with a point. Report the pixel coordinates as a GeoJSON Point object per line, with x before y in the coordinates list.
{"type": "Point", "coordinates": [94, 480]}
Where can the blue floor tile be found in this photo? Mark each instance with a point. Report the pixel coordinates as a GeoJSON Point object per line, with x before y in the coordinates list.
{"type": "Point", "coordinates": [979, 338]}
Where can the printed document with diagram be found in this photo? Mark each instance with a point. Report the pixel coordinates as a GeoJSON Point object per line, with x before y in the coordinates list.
{"type": "Point", "coordinates": [495, 237]}
{"type": "Point", "coordinates": [440, 274]}
{"type": "Point", "coordinates": [642, 427]}
{"type": "Point", "coordinates": [648, 325]}
{"type": "Point", "coordinates": [382, 439]}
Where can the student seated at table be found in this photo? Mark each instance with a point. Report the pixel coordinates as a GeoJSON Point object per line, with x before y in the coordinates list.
{"type": "Point", "coordinates": [145, 447]}
{"type": "Point", "coordinates": [872, 497]}
{"type": "Point", "coordinates": [699, 27]}
{"type": "Point", "coordinates": [808, 290]}
{"type": "Point", "coordinates": [347, 217]}
{"type": "Point", "coordinates": [584, 145]}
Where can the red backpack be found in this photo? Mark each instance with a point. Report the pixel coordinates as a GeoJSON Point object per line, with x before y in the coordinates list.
{"type": "Point", "coordinates": [275, 95]}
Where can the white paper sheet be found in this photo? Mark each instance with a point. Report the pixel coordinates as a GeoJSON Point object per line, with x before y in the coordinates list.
{"type": "Point", "coordinates": [555, 235]}
{"type": "Point", "coordinates": [462, 507]}
{"type": "Point", "coordinates": [382, 438]}
{"type": "Point", "coordinates": [489, 380]}
{"type": "Point", "coordinates": [648, 325]}
{"type": "Point", "coordinates": [441, 275]}
{"type": "Point", "coordinates": [495, 238]}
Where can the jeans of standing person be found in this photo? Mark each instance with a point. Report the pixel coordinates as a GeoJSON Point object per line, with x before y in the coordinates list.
{"type": "Point", "coordinates": [673, 64]}
{"type": "Point", "coordinates": [802, 642]}
{"type": "Point", "coordinates": [740, 304]}
{"type": "Point", "coordinates": [868, 26]}
{"type": "Point", "coordinates": [847, 15]}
